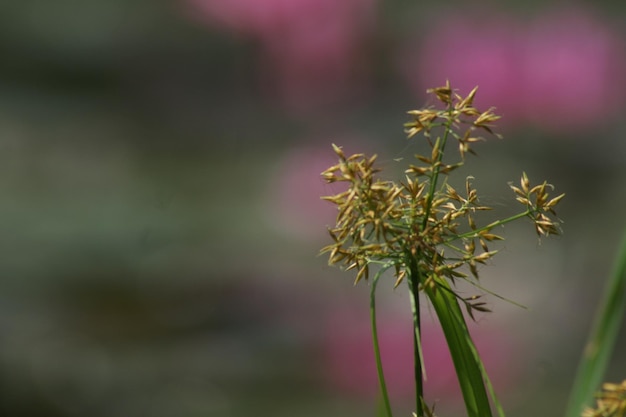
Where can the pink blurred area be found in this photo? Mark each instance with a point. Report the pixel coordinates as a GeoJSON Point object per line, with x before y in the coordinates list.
{"type": "Point", "coordinates": [296, 187]}
{"type": "Point", "coordinates": [351, 366]}
{"type": "Point", "coordinates": [562, 71]}
{"type": "Point", "coordinates": [458, 49]}
{"type": "Point", "coordinates": [312, 52]}
{"type": "Point", "coordinates": [574, 72]}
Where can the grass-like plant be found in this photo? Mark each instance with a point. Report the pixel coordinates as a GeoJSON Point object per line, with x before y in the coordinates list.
{"type": "Point", "coordinates": [426, 232]}
{"type": "Point", "coordinates": [611, 401]}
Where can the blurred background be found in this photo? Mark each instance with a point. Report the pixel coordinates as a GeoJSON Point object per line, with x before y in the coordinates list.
{"type": "Point", "coordinates": [159, 199]}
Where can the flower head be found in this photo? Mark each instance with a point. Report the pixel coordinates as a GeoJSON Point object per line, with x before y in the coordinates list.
{"type": "Point", "coordinates": [419, 224]}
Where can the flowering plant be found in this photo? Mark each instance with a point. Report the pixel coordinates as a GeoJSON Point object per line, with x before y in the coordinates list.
{"type": "Point", "coordinates": [427, 232]}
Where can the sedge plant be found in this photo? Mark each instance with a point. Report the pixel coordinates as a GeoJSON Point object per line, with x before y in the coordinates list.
{"type": "Point", "coordinates": [426, 232]}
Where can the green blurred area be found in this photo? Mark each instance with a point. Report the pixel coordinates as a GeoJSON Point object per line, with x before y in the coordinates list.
{"type": "Point", "coordinates": [144, 268]}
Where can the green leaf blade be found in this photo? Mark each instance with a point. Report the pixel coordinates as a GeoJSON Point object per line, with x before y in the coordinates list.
{"type": "Point", "coordinates": [601, 343]}
{"type": "Point", "coordinates": [469, 369]}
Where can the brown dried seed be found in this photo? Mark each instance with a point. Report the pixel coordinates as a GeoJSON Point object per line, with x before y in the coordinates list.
{"type": "Point", "coordinates": [470, 222]}
{"type": "Point", "coordinates": [467, 101]}
{"type": "Point", "coordinates": [517, 191]}
{"type": "Point", "coordinates": [338, 151]}
{"type": "Point", "coordinates": [525, 183]}
{"type": "Point", "coordinates": [444, 94]}
{"type": "Point", "coordinates": [363, 273]}
{"type": "Point", "coordinates": [490, 236]}
{"type": "Point", "coordinates": [485, 256]}
{"type": "Point", "coordinates": [554, 201]}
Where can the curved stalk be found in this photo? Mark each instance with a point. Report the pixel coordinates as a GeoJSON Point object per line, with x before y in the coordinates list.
{"type": "Point", "coordinates": [379, 364]}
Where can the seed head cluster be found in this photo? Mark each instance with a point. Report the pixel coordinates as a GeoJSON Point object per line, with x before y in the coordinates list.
{"type": "Point", "coordinates": [422, 225]}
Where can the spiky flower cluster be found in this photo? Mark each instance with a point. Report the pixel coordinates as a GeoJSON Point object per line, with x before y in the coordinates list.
{"type": "Point", "coordinates": [423, 225]}
{"type": "Point", "coordinates": [611, 402]}
{"type": "Point", "coordinates": [536, 199]}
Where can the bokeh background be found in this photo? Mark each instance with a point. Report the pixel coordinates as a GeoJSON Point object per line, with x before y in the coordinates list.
{"type": "Point", "coordinates": [159, 199]}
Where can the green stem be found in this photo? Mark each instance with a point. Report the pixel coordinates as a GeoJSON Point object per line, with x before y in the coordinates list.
{"type": "Point", "coordinates": [414, 274]}
{"type": "Point", "coordinates": [435, 173]}
{"type": "Point", "coordinates": [379, 364]}
{"type": "Point", "coordinates": [418, 360]}
{"type": "Point", "coordinates": [474, 233]}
